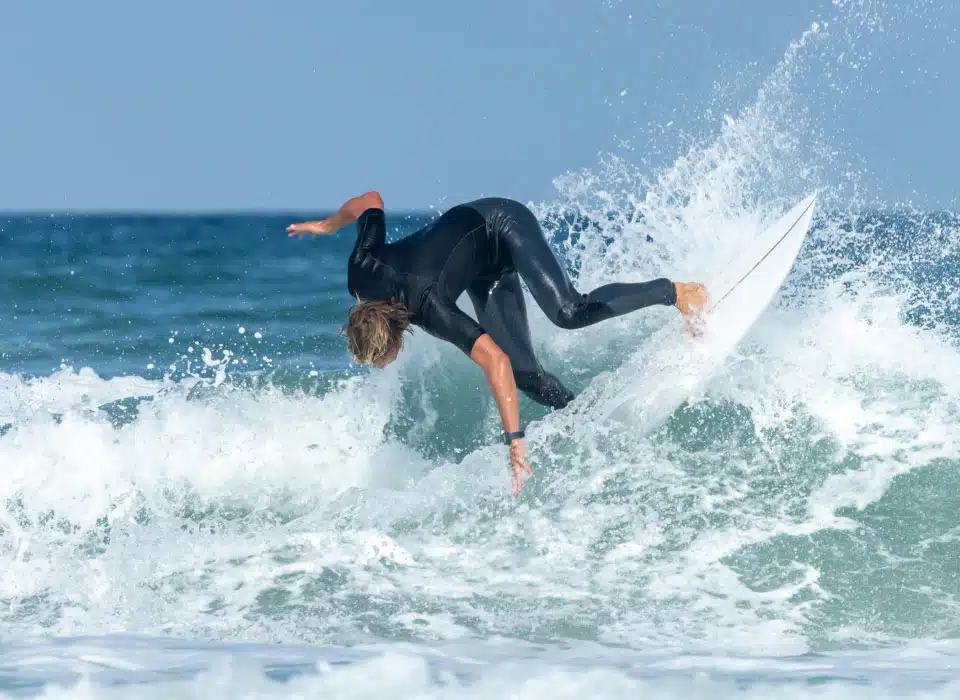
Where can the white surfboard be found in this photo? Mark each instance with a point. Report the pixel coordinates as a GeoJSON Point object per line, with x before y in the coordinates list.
{"type": "Point", "coordinates": [673, 367]}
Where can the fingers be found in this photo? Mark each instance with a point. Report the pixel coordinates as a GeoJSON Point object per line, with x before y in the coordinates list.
{"type": "Point", "coordinates": [302, 229]}
{"type": "Point", "coordinates": [518, 466]}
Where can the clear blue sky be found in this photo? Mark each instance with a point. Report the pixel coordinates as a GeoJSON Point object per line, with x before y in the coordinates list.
{"type": "Point", "coordinates": [298, 104]}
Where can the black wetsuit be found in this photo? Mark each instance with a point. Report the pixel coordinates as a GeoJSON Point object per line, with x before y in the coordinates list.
{"type": "Point", "coordinates": [485, 248]}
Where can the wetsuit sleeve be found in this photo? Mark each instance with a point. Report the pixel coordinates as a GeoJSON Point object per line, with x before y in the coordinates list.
{"type": "Point", "coordinates": [445, 320]}
{"type": "Point", "coordinates": [371, 229]}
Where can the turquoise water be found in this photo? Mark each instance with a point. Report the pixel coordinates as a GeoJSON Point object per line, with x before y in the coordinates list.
{"type": "Point", "coordinates": [188, 457]}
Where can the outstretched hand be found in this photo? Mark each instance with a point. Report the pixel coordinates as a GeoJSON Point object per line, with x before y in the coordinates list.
{"type": "Point", "coordinates": [314, 228]}
{"type": "Point", "coordinates": [346, 215]}
{"type": "Point", "coordinates": [518, 464]}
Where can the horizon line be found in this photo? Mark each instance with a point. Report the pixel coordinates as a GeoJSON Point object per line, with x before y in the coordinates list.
{"type": "Point", "coordinates": [297, 212]}
{"type": "Point", "coordinates": [188, 212]}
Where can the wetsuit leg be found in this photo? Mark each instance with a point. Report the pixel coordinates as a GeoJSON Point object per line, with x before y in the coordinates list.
{"type": "Point", "coordinates": [502, 312]}
{"type": "Point", "coordinates": [519, 232]}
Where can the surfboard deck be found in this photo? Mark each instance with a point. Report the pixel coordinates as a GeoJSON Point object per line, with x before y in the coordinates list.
{"type": "Point", "coordinates": [673, 365]}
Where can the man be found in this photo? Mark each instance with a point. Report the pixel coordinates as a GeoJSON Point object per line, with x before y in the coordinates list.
{"type": "Point", "coordinates": [485, 248]}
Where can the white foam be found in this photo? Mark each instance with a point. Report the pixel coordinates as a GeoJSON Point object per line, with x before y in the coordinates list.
{"type": "Point", "coordinates": [92, 669]}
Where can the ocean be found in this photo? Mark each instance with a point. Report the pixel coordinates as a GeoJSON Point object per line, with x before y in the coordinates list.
{"type": "Point", "coordinates": [202, 497]}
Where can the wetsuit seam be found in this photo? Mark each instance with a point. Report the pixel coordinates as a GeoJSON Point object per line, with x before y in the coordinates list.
{"type": "Point", "coordinates": [443, 267]}
{"type": "Point", "coordinates": [493, 236]}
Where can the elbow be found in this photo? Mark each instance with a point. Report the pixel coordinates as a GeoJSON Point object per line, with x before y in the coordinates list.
{"type": "Point", "coordinates": [368, 200]}
{"type": "Point", "coordinates": [492, 360]}
{"type": "Point", "coordinates": [372, 200]}
{"type": "Point", "coordinates": [500, 366]}
{"type": "Point", "coordinates": [499, 372]}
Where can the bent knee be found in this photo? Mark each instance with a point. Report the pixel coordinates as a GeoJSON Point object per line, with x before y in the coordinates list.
{"type": "Point", "coordinates": [566, 317]}
{"type": "Point", "coordinates": [574, 315]}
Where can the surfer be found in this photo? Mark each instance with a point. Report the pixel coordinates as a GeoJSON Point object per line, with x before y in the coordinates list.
{"type": "Point", "coordinates": [484, 247]}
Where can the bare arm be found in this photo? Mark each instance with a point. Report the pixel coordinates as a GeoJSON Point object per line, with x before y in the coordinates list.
{"type": "Point", "coordinates": [346, 215]}
{"type": "Point", "coordinates": [499, 373]}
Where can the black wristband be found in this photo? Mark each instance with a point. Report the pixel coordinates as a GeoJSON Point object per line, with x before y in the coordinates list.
{"type": "Point", "coordinates": [508, 437]}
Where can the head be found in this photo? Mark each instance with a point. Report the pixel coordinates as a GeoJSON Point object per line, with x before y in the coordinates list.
{"type": "Point", "coordinates": [374, 331]}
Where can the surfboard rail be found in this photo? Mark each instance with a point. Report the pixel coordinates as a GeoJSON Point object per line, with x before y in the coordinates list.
{"type": "Point", "coordinates": [674, 366]}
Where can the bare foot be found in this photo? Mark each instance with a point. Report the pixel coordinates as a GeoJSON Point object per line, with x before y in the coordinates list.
{"type": "Point", "coordinates": [692, 301]}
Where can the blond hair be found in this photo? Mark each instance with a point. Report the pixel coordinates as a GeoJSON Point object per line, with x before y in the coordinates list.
{"type": "Point", "coordinates": [374, 330]}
